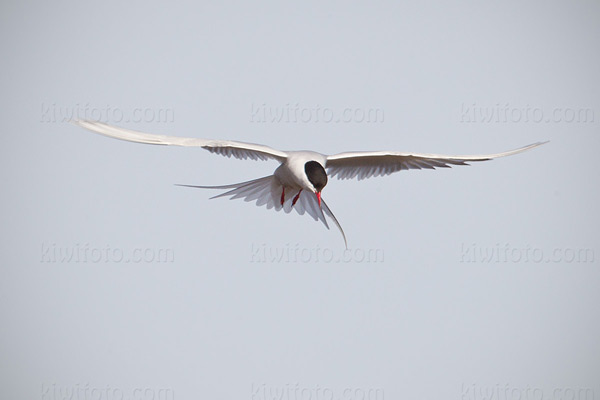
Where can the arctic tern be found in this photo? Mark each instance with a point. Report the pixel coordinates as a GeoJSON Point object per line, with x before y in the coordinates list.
{"type": "Point", "coordinates": [301, 176]}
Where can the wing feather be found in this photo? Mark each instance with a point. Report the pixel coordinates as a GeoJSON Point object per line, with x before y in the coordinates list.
{"type": "Point", "coordinates": [366, 164]}
{"type": "Point", "coordinates": [225, 148]}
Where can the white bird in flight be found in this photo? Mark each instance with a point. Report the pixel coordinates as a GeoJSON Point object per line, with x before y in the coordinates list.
{"type": "Point", "coordinates": [301, 176]}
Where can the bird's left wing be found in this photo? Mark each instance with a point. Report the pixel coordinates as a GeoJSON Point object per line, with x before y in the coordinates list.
{"type": "Point", "coordinates": [224, 147]}
{"type": "Point", "coordinates": [379, 163]}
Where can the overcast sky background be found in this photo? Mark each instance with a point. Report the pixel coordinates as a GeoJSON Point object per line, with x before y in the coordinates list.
{"type": "Point", "coordinates": [431, 319]}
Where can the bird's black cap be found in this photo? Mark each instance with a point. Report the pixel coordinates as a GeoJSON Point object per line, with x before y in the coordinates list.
{"type": "Point", "coordinates": [316, 174]}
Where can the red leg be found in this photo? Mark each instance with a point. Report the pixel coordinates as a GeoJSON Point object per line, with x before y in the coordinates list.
{"type": "Point", "coordinates": [296, 198]}
{"type": "Point", "coordinates": [282, 195]}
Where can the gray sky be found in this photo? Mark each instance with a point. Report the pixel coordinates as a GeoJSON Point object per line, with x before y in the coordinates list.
{"type": "Point", "coordinates": [460, 283]}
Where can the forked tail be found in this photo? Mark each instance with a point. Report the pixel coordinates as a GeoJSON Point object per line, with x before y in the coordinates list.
{"type": "Point", "coordinates": [267, 191]}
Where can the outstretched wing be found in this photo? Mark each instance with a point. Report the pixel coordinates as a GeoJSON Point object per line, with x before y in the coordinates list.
{"type": "Point", "coordinates": [224, 147]}
{"type": "Point", "coordinates": [267, 191]}
{"type": "Point", "coordinates": [379, 163]}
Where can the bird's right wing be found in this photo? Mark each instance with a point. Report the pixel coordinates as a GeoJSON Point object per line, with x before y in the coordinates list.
{"type": "Point", "coordinates": [224, 147]}
{"type": "Point", "coordinates": [366, 164]}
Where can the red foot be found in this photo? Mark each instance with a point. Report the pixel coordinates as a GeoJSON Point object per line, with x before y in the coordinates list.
{"type": "Point", "coordinates": [296, 198]}
{"type": "Point", "coordinates": [282, 195]}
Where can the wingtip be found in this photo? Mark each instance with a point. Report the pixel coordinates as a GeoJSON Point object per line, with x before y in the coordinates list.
{"type": "Point", "coordinates": [84, 123]}
{"type": "Point", "coordinates": [536, 144]}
